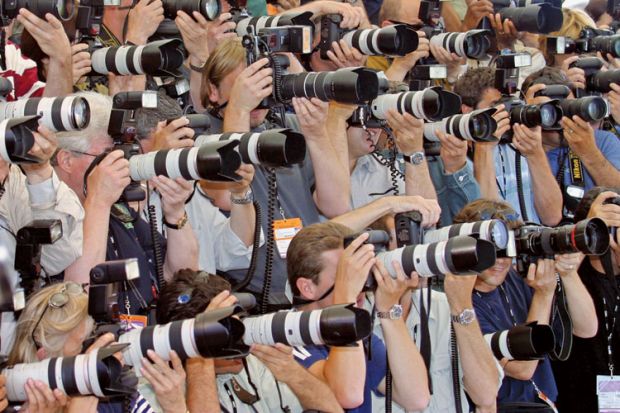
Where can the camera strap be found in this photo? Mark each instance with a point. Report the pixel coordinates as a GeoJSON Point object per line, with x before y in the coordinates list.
{"type": "Point", "coordinates": [425, 336]}
{"type": "Point", "coordinates": [560, 319]}
{"type": "Point", "coordinates": [454, 361]}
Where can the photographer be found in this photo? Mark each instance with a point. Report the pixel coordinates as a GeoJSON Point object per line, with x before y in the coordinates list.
{"type": "Point", "coordinates": [503, 299]}
{"type": "Point", "coordinates": [596, 153]}
{"type": "Point", "coordinates": [322, 273]}
{"type": "Point", "coordinates": [113, 229]}
{"type": "Point", "coordinates": [597, 356]}
{"type": "Point", "coordinates": [34, 194]}
{"type": "Point", "coordinates": [268, 380]}
{"type": "Point", "coordinates": [538, 198]}
{"type": "Point", "coordinates": [320, 183]}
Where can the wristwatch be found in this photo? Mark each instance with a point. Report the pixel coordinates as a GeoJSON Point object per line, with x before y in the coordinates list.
{"type": "Point", "coordinates": [466, 317]}
{"type": "Point", "coordinates": [394, 313]}
{"type": "Point", "coordinates": [179, 224]}
{"type": "Point", "coordinates": [416, 158]}
{"type": "Point", "coordinates": [246, 199]}
{"type": "Point", "coordinates": [197, 68]}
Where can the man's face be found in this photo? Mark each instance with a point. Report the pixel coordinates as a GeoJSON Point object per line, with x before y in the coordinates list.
{"type": "Point", "coordinates": [362, 142]}
{"type": "Point", "coordinates": [495, 276]}
{"type": "Point", "coordinates": [490, 97]}
{"type": "Point", "coordinates": [81, 162]}
{"type": "Point", "coordinates": [257, 116]}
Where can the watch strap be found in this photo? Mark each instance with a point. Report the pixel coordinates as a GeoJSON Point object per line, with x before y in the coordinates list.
{"type": "Point", "coordinates": [415, 158]}
{"type": "Point", "coordinates": [180, 223]}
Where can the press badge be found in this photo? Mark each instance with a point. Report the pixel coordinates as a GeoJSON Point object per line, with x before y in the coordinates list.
{"type": "Point", "coordinates": [283, 232]}
{"type": "Point", "coordinates": [608, 391]}
{"type": "Point", "coordinates": [129, 322]}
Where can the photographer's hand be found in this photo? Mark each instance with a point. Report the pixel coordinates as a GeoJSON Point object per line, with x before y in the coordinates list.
{"type": "Point", "coordinates": [502, 118]}
{"type": "Point", "coordinates": [402, 65]}
{"type": "Point", "coordinates": [344, 56]}
{"type": "Point", "coordinates": [610, 213]}
{"type": "Point", "coordinates": [41, 399]}
{"type": "Point", "coordinates": [576, 75]}
{"type": "Point", "coordinates": [168, 383]}
{"type": "Point", "coordinates": [458, 289]}
{"type": "Point", "coordinates": [312, 117]}
{"type": "Point", "coordinates": [284, 5]}
{"type": "Point", "coordinates": [194, 31]}
{"type": "Point", "coordinates": [389, 290]}
{"type": "Point", "coordinates": [45, 144]}
{"type": "Point", "coordinates": [252, 86]}
{"type": "Point", "coordinates": [174, 193]}
{"type": "Point", "coordinates": [452, 61]}
{"type": "Point", "coordinates": [528, 141]}
{"type": "Point", "coordinates": [353, 268]}
{"type": "Point", "coordinates": [143, 20]}
{"type": "Point", "coordinates": [81, 62]}
{"type": "Point", "coordinates": [476, 10]}
{"type": "Point", "coordinates": [429, 208]}
{"type": "Point", "coordinates": [222, 300]}
{"type": "Point", "coordinates": [580, 136]}
{"type": "Point", "coordinates": [4, 403]}
{"type": "Point", "coordinates": [506, 33]}
{"type": "Point", "coordinates": [408, 131]}
{"type": "Point", "coordinates": [108, 179]}
{"type": "Point", "coordinates": [453, 152]}
{"type": "Point", "coordinates": [278, 359]}
{"type": "Point", "coordinates": [173, 135]}
{"type": "Point", "coordinates": [568, 264]}
{"type": "Point", "coordinates": [541, 277]}
{"type": "Point", "coordinates": [614, 101]}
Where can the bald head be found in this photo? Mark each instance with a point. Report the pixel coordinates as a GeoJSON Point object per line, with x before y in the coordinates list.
{"type": "Point", "coordinates": [400, 10]}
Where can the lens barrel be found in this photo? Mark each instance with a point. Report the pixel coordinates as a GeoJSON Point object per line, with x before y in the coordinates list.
{"type": "Point", "coordinates": [600, 81]}
{"type": "Point", "coordinates": [337, 325]}
{"type": "Point", "coordinates": [607, 45]}
{"type": "Point", "coordinates": [547, 115]}
{"type": "Point", "coordinates": [589, 108]}
{"type": "Point", "coordinates": [472, 44]}
{"type": "Point", "coordinates": [493, 230]}
{"type": "Point", "coordinates": [431, 104]}
{"type": "Point", "coordinates": [477, 126]}
{"type": "Point", "coordinates": [286, 19]}
{"type": "Point", "coordinates": [542, 18]}
{"type": "Point", "coordinates": [394, 40]}
{"type": "Point", "coordinates": [17, 138]}
{"type": "Point", "coordinates": [61, 9]}
{"type": "Point", "coordinates": [57, 114]}
{"type": "Point", "coordinates": [524, 342]}
{"type": "Point", "coordinates": [210, 9]}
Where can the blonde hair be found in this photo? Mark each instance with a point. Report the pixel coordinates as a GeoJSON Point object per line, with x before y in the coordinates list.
{"type": "Point", "coordinates": [226, 57]}
{"type": "Point", "coordinates": [55, 325]}
{"type": "Point", "coordinates": [574, 22]}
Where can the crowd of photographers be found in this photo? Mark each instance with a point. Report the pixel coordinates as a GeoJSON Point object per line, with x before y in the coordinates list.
{"type": "Point", "coordinates": [325, 206]}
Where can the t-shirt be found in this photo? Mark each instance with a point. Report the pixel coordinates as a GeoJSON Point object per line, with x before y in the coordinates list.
{"type": "Point", "coordinates": [22, 73]}
{"type": "Point", "coordinates": [494, 315]}
{"type": "Point", "coordinates": [375, 368]}
{"type": "Point", "coordinates": [576, 377]}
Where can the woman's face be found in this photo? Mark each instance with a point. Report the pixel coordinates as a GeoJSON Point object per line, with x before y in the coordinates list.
{"type": "Point", "coordinates": [75, 339]}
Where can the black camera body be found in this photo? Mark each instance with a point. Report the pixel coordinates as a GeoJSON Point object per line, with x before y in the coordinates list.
{"type": "Point", "coordinates": [380, 240]}
{"type": "Point", "coordinates": [330, 32]}
{"type": "Point", "coordinates": [534, 16]}
{"type": "Point", "coordinates": [597, 81]}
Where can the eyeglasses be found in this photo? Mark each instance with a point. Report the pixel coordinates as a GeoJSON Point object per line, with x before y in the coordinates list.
{"type": "Point", "coordinates": [58, 300]}
{"type": "Point", "coordinates": [84, 153]}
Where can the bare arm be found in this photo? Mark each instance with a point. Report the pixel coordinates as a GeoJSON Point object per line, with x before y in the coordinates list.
{"type": "Point", "coordinates": [484, 170]}
{"type": "Point", "coordinates": [580, 304]}
{"type": "Point", "coordinates": [337, 116]}
{"type": "Point", "coordinates": [201, 388]}
{"type": "Point", "coordinates": [243, 216]}
{"type": "Point", "coordinates": [547, 194]}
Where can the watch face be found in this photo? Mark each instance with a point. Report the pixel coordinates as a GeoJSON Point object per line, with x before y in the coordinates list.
{"type": "Point", "coordinates": [467, 316]}
{"type": "Point", "coordinates": [396, 311]}
{"type": "Point", "coordinates": [417, 158]}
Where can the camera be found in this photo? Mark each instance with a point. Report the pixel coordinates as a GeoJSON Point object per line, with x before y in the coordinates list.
{"type": "Point", "coordinates": [253, 25]}
{"type": "Point", "coordinates": [523, 342]}
{"type": "Point", "coordinates": [97, 373]}
{"type": "Point", "coordinates": [431, 104]}
{"type": "Point", "coordinates": [61, 9]}
{"type": "Point", "coordinates": [507, 71]}
{"type": "Point", "coordinates": [29, 239]}
{"type": "Point", "coordinates": [546, 115]}
{"type": "Point", "coordinates": [293, 39]}
{"type": "Point", "coordinates": [209, 9]}
{"type": "Point", "coordinates": [589, 236]}
{"type": "Point", "coordinates": [596, 79]}
{"type": "Point", "coordinates": [473, 44]}
{"type": "Point", "coordinates": [103, 300]}
{"type": "Point", "coordinates": [272, 148]}
{"type": "Point", "coordinates": [598, 40]}
{"type": "Point", "coordinates": [158, 58]}
{"type": "Point", "coordinates": [17, 139]}
{"type": "Point", "coordinates": [394, 40]}
{"type": "Point", "coordinates": [588, 108]}
{"type": "Point", "coordinates": [57, 114]}
{"type": "Point", "coordinates": [534, 17]}
{"type": "Point", "coordinates": [477, 126]}
{"type": "Point", "coordinates": [337, 325]}
{"type": "Point", "coordinates": [492, 230]}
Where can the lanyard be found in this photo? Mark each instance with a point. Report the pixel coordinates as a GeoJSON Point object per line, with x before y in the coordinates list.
{"type": "Point", "coordinates": [231, 397]}
{"type": "Point", "coordinates": [502, 190]}
{"type": "Point", "coordinates": [576, 168]}
{"type": "Point", "coordinates": [610, 326]}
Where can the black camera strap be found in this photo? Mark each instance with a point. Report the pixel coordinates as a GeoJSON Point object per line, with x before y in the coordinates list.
{"type": "Point", "coordinates": [456, 381]}
{"type": "Point", "coordinates": [425, 336]}
{"type": "Point", "coordinates": [560, 318]}
{"type": "Point", "coordinates": [576, 169]}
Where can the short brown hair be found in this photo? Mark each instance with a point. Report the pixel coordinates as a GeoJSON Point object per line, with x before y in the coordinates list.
{"type": "Point", "coordinates": [472, 84]}
{"type": "Point", "coordinates": [226, 57]}
{"type": "Point", "coordinates": [548, 76]}
{"type": "Point", "coordinates": [483, 209]}
{"type": "Point", "coordinates": [303, 258]}
{"type": "Point", "coordinates": [188, 294]}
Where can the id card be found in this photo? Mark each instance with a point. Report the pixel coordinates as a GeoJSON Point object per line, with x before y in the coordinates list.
{"type": "Point", "coordinates": [608, 391]}
{"type": "Point", "coordinates": [283, 232]}
{"type": "Point", "coordinates": [129, 322]}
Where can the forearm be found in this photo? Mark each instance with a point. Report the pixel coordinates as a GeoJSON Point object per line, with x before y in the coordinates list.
{"type": "Point", "coordinates": [345, 373]}
{"type": "Point", "coordinates": [418, 181]}
{"type": "Point", "coordinates": [59, 77]}
{"type": "Point", "coordinates": [182, 251]}
{"type": "Point", "coordinates": [95, 245]}
{"type": "Point", "coordinates": [312, 393]}
{"type": "Point", "coordinates": [410, 378]}
{"type": "Point", "coordinates": [547, 195]}
{"type": "Point", "coordinates": [236, 120]}
{"type": "Point", "coordinates": [520, 370]}
{"type": "Point", "coordinates": [602, 171]}
{"type": "Point", "coordinates": [337, 127]}
{"type": "Point", "coordinates": [484, 171]}
{"type": "Point", "coordinates": [201, 388]}
{"type": "Point", "coordinates": [451, 19]}
{"type": "Point", "coordinates": [243, 222]}
{"type": "Point", "coordinates": [195, 88]}
{"type": "Point", "coordinates": [397, 71]}
{"type": "Point", "coordinates": [359, 218]}
{"type": "Point", "coordinates": [580, 306]}
{"type": "Point", "coordinates": [540, 308]}
{"type": "Point", "coordinates": [333, 184]}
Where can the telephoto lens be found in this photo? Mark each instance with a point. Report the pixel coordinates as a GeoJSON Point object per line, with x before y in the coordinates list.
{"type": "Point", "coordinates": [214, 161]}
{"type": "Point", "coordinates": [347, 85]}
{"type": "Point", "coordinates": [601, 81]}
{"type": "Point", "coordinates": [606, 45]}
{"type": "Point", "coordinates": [212, 334]}
{"type": "Point", "coordinates": [17, 138]}
{"type": "Point", "coordinates": [473, 44]}
{"type": "Point", "coordinates": [57, 114]}
{"type": "Point", "coordinates": [540, 18]}
{"type": "Point", "coordinates": [547, 115]}
{"type": "Point", "coordinates": [476, 126]}
{"type": "Point", "coordinates": [524, 342]}
{"type": "Point", "coordinates": [458, 255]}
{"type": "Point", "coordinates": [431, 104]}
{"type": "Point", "coordinates": [589, 236]}
{"type": "Point", "coordinates": [210, 9]}
{"type": "Point", "coordinates": [159, 58]}
{"type": "Point", "coordinates": [61, 9]}
{"type": "Point", "coordinates": [589, 108]}
{"type": "Point", "coordinates": [286, 19]}
{"type": "Point", "coordinates": [97, 373]}
{"type": "Point", "coordinates": [272, 148]}
{"type": "Point", "coordinates": [337, 325]}
{"type": "Point", "coordinates": [394, 40]}
{"type": "Point", "coordinates": [493, 230]}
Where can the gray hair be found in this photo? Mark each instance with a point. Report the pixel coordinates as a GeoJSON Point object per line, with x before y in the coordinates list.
{"type": "Point", "coordinates": [81, 140]}
{"type": "Point", "coordinates": [147, 119]}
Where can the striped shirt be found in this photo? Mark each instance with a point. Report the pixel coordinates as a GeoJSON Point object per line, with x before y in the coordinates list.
{"type": "Point", "coordinates": [22, 73]}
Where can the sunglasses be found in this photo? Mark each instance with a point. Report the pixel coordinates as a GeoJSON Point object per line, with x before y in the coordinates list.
{"type": "Point", "coordinates": [58, 300]}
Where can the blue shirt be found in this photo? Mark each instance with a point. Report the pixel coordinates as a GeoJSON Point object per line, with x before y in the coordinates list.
{"type": "Point", "coordinates": [606, 142]}
{"type": "Point", "coordinates": [375, 368]}
{"type": "Point", "coordinates": [494, 315]}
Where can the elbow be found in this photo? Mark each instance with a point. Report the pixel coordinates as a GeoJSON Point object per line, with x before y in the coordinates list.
{"type": "Point", "coordinates": [525, 373]}
{"type": "Point", "coordinates": [587, 331]}
{"type": "Point", "coordinates": [485, 400]}
{"type": "Point", "coordinates": [553, 218]}
{"type": "Point", "coordinates": [417, 404]}
{"type": "Point", "coordinates": [334, 209]}
{"type": "Point", "coordinates": [349, 399]}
